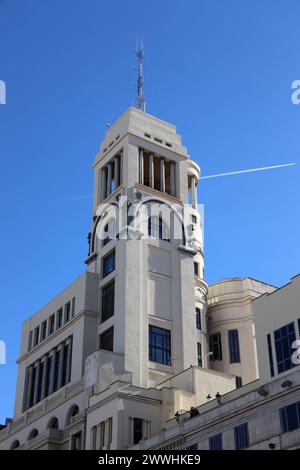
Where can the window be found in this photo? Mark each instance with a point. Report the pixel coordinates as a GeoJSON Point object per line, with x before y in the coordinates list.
{"type": "Point", "coordinates": [159, 345]}
{"type": "Point", "coordinates": [216, 442]}
{"type": "Point", "coordinates": [271, 361]}
{"type": "Point", "coordinates": [157, 229]}
{"type": "Point", "coordinates": [51, 324]}
{"type": "Point", "coordinates": [30, 341]}
{"type": "Point", "coordinates": [137, 430]}
{"type": "Point", "coordinates": [194, 219]}
{"type": "Point", "coordinates": [290, 417]}
{"type": "Point", "coordinates": [198, 319]}
{"type": "Point", "coordinates": [107, 340]}
{"type": "Point", "coordinates": [67, 312]}
{"type": "Point", "coordinates": [199, 352]}
{"type": "Point", "coordinates": [284, 338]}
{"type": "Point", "coordinates": [108, 301]}
{"type": "Point", "coordinates": [234, 347]}
{"type": "Point", "coordinates": [196, 268]}
{"type": "Point", "coordinates": [215, 347]}
{"type": "Point", "coordinates": [59, 318]}
{"type": "Point", "coordinates": [241, 436]}
{"type": "Point", "coordinates": [44, 330]}
{"type": "Point", "coordinates": [73, 307]}
{"type": "Point", "coordinates": [192, 447]}
{"type": "Point", "coordinates": [108, 264]}
{"type": "Point", "coordinates": [238, 382]}
{"type": "Point", "coordinates": [36, 336]}
{"type": "Point", "coordinates": [57, 368]}
{"type": "Point", "coordinates": [76, 441]}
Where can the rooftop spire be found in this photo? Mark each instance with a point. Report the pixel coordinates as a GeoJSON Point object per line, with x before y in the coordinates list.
{"type": "Point", "coordinates": [140, 99]}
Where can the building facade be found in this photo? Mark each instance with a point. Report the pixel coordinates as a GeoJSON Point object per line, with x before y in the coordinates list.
{"type": "Point", "coordinates": [139, 337]}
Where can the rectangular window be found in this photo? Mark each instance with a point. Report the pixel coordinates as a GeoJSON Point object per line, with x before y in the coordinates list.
{"type": "Point", "coordinates": [137, 430]}
{"type": "Point", "coordinates": [198, 318]}
{"type": "Point", "coordinates": [194, 219]}
{"type": "Point", "coordinates": [241, 436]}
{"type": "Point", "coordinates": [30, 341]}
{"type": "Point", "coordinates": [102, 434]}
{"type": "Point", "coordinates": [216, 442]}
{"type": "Point", "coordinates": [36, 336]}
{"type": "Point", "coordinates": [234, 346]}
{"type": "Point", "coordinates": [73, 307]}
{"type": "Point", "coordinates": [51, 324]}
{"type": "Point", "coordinates": [159, 345]}
{"type": "Point", "coordinates": [108, 301]}
{"type": "Point", "coordinates": [108, 264]}
{"type": "Point", "coordinates": [49, 375]}
{"type": "Point", "coordinates": [271, 361]}
{"type": "Point", "coordinates": [59, 318]}
{"type": "Point", "coordinates": [215, 347]}
{"type": "Point", "coordinates": [196, 268]}
{"type": "Point", "coordinates": [107, 340]}
{"type": "Point", "coordinates": [94, 438]}
{"type": "Point", "coordinates": [67, 312]}
{"type": "Point", "coordinates": [199, 352]}
{"type": "Point", "coordinates": [284, 338]}
{"type": "Point", "coordinates": [238, 382]}
{"type": "Point", "coordinates": [290, 417]}
{"type": "Point", "coordinates": [76, 441]}
{"type": "Point", "coordinates": [44, 330]}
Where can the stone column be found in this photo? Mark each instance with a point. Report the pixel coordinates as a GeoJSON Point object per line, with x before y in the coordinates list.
{"type": "Point", "coordinates": [61, 368]}
{"type": "Point", "coordinates": [116, 176]}
{"type": "Point", "coordinates": [45, 373]}
{"type": "Point", "coordinates": [37, 380]}
{"type": "Point", "coordinates": [162, 176]}
{"type": "Point", "coordinates": [151, 170]}
{"type": "Point", "coordinates": [194, 192]}
{"type": "Point", "coordinates": [109, 176]}
{"type": "Point", "coordinates": [103, 184]}
{"type": "Point", "coordinates": [141, 166]}
{"type": "Point", "coordinates": [52, 375]}
{"type": "Point", "coordinates": [29, 387]}
{"type": "Point", "coordinates": [172, 178]}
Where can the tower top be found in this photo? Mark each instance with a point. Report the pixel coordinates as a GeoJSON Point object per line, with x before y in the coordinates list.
{"type": "Point", "coordinates": [140, 99]}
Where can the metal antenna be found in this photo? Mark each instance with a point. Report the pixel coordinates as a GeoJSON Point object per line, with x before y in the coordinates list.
{"type": "Point", "coordinates": [140, 99]}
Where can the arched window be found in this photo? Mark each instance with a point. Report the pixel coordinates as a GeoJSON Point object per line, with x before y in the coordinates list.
{"type": "Point", "coordinates": [15, 445]}
{"type": "Point", "coordinates": [74, 411]}
{"type": "Point", "coordinates": [53, 423]}
{"type": "Point", "coordinates": [157, 229]}
{"type": "Point", "coordinates": [34, 433]}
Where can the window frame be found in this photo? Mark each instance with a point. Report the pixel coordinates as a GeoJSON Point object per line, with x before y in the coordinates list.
{"type": "Point", "coordinates": [234, 346]}
{"type": "Point", "coordinates": [160, 344]}
{"type": "Point", "coordinates": [106, 297]}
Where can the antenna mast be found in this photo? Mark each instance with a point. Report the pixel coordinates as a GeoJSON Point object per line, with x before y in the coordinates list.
{"type": "Point", "coordinates": [140, 99]}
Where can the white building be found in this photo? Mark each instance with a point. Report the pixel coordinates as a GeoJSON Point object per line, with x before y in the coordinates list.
{"type": "Point", "coordinates": [139, 336]}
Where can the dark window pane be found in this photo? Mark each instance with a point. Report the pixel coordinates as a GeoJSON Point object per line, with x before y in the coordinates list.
{"type": "Point", "coordinates": [107, 340]}
{"type": "Point", "coordinates": [108, 301]}
{"type": "Point", "coordinates": [234, 346]}
{"type": "Point", "coordinates": [108, 264]}
{"type": "Point", "coordinates": [159, 345]}
{"type": "Point", "coordinates": [284, 338]}
{"type": "Point", "coordinates": [215, 346]}
{"type": "Point", "coordinates": [137, 430]}
{"type": "Point", "coordinates": [241, 436]}
{"type": "Point", "coordinates": [216, 442]}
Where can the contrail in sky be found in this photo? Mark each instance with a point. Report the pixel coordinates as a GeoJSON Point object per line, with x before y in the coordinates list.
{"type": "Point", "coordinates": [250, 170]}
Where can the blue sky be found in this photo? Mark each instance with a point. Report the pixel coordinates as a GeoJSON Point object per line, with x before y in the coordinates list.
{"type": "Point", "coordinates": [221, 70]}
